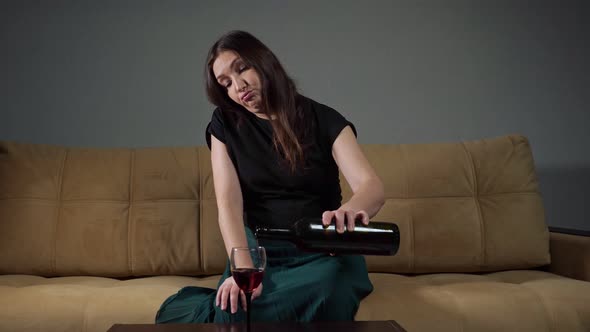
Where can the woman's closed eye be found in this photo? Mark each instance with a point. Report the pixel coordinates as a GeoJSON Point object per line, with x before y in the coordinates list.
{"type": "Point", "coordinates": [240, 69]}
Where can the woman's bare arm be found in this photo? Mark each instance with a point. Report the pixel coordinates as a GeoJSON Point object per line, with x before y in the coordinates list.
{"type": "Point", "coordinates": [368, 193]}
{"type": "Point", "coordinates": [229, 197]}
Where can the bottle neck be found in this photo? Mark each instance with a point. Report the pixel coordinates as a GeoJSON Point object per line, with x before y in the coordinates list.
{"type": "Point", "coordinates": [274, 233]}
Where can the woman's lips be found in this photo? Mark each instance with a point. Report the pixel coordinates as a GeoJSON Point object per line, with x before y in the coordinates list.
{"type": "Point", "coordinates": [247, 96]}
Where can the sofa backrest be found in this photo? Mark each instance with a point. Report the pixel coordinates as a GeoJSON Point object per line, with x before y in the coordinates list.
{"type": "Point", "coordinates": [461, 207]}
{"type": "Point", "coordinates": [107, 212]}
{"type": "Point", "coordinates": [470, 206]}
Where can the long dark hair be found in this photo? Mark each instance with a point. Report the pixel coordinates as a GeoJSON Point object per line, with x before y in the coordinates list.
{"type": "Point", "coordinates": [279, 93]}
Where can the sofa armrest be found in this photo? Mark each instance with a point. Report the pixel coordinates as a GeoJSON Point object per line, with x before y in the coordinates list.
{"type": "Point", "coordinates": [570, 253]}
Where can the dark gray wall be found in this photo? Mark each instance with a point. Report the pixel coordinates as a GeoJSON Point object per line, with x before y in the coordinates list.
{"type": "Point", "coordinates": [129, 73]}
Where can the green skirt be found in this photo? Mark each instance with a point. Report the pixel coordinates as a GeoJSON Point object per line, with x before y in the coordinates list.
{"type": "Point", "coordinates": [298, 286]}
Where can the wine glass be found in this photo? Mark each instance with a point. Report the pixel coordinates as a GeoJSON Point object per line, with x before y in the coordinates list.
{"type": "Point", "coordinates": [247, 268]}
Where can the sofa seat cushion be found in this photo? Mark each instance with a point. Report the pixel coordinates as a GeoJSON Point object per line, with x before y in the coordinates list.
{"type": "Point", "coordinates": [502, 301]}
{"type": "Point", "coordinates": [525, 300]}
{"type": "Point", "coordinates": [31, 303]}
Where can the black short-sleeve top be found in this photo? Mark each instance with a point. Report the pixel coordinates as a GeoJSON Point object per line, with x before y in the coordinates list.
{"type": "Point", "coordinates": [272, 194]}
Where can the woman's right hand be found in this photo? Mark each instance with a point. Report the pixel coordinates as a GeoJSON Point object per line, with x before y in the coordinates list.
{"type": "Point", "coordinates": [229, 290]}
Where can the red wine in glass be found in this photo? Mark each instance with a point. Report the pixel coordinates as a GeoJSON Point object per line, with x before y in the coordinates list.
{"type": "Point", "coordinates": [248, 279]}
{"type": "Point", "coordinates": [247, 269]}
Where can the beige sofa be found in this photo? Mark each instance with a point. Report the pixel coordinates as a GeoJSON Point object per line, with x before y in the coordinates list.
{"type": "Point", "coordinates": [92, 237]}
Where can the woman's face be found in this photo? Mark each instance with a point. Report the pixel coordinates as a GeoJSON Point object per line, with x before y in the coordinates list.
{"type": "Point", "coordinates": [241, 82]}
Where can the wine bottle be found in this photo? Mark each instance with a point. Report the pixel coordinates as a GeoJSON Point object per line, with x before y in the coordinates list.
{"type": "Point", "coordinates": [309, 234]}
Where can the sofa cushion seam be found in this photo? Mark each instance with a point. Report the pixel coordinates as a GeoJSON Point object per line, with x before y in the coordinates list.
{"type": "Point", "coordinates": [85, 318]}
{"type": "Point", "coordinates": [412, 262]}
{"type": "Point", "coordinates": [483, 260]}
{"type": "Point", "coordinates": [58, 212]}
{"type": "Point", "coordinates": [129, 211]}
{"type": "Point", "coordinates": [548, 312]}
{"type": "Point", "coordinates": [457, 307]}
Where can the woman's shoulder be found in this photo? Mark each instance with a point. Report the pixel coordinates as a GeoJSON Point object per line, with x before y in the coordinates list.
{"type": "Point", "coordinates": [321, 111]}
{"type": "Point", "coordinates": [223, 123]}
{"type": "Point", "coordinates": [224, 116]}
{"type": "Point", "coordinates": [220, 112]}
{"type": "Point", "coordinates": [324, 114]}
{"type": "Point", "coordinates": [329, 120]}
{"type": "Point", "coordinates": [314, 105]}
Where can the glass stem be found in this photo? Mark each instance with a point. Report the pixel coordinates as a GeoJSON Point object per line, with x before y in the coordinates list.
{"type": "Point", "coordinates": [248, 301]}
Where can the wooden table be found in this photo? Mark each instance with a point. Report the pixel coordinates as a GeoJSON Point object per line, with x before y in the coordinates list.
{"type": "Point", "coordinates": [359, 326]}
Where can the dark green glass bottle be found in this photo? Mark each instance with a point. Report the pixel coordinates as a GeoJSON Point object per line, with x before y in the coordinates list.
{"type": "Point", "coordinates": [309, 234]}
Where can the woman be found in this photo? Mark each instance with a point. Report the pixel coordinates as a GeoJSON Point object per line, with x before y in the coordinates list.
{"type": "Point", "coordinates": [275, 157]}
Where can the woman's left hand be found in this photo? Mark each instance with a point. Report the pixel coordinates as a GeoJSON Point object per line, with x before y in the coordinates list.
{"type": "Point", "coordinates": [344, 218]}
